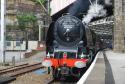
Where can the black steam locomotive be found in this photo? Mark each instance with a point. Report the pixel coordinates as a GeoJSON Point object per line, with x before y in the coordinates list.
{"type": "Point", "coordinates": [71, 47]}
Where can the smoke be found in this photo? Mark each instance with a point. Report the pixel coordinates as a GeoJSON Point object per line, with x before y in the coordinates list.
{"type": "Point", "coordinates": [95, 10]}
{"type": "Point", "coordinates": [108, 2]}
{"type": "Point", "coordinates": [79, 6]}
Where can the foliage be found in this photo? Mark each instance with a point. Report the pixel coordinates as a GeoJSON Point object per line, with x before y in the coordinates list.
{"type": "Point", "coordinates": [41, 2]}
{"type": "Point", "coordinates": [8, 38]}
{"type": "Point", "coordinates": [11, 27]}
{"type": "Point", "coordinates": [25, 20]}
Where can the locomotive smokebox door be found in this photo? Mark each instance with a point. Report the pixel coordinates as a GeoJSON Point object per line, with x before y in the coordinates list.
{"type": "Point", "coordinates": [68, 30]}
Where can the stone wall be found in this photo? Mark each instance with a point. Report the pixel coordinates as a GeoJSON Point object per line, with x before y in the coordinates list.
{"type": "Point", "coordinates": [119, 27]}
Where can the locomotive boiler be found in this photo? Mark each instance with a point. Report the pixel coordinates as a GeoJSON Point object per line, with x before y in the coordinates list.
{"type": "Point", "coordinates": [70, 47]}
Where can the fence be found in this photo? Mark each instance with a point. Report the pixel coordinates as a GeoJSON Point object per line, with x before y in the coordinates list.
{"type": "Point", "coordinates": [17, 45]}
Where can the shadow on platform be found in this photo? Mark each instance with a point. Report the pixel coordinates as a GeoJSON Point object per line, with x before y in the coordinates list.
{"type": "Point", "coordinates": [109, 79]}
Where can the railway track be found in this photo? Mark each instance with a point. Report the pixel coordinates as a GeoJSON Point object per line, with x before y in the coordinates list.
{"type": "Point", "coordinates": [67, 80]}
{"type": "Point", "coordinates": [60, 82]}
{"type": "Point", "coordinates": [51, 81]}
{"type": "Point", "coordinates": [19, 70]}
{"type": "Point", "coordinates": [13, 67]}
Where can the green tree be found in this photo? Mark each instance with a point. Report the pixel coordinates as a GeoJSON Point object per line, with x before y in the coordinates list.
{"type": "Point", "coordinates": [26, 21]}
{"type": "Point", "coordinates": [41, 3]}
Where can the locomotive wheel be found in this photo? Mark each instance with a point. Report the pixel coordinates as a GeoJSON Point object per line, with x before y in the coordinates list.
{"type": "Point", "coordinates": [56, 74]}
{"type": "Point", "coordinates": [77, 72]}
{"type": "Point", "coordinates": [90, 56]}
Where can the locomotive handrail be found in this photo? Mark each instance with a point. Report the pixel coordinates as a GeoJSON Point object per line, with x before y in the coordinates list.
{"type": "Point", "coordinates": [65, 50]}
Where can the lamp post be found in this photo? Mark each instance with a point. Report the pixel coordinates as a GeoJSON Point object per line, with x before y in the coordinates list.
{"type": "Point", "coordinates": [2, 31]}
{"type": "Point", "coordinates": [40, 24]}
{"type": "Point", "coordinates": [40, 27]}
{"type": "Point", "coordinates": [48, 6]}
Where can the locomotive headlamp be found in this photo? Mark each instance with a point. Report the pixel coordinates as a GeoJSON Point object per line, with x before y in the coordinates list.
{"type": "Point", "coordinates": [80, 64]}
{"type": "Point", "coordinates": [83, 55]}
{"type": "Point", "coordinates": [48, 55]}
{"type": "Point", "coordinates": [47, 63]}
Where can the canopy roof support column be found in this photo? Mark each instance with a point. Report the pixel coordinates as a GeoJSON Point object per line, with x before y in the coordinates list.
{"type": "Point", "coordinates": [2, 32]}
{"type": "Point", "coordinates": [119, 28]}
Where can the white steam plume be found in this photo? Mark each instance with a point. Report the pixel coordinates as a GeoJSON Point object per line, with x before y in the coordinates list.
{"type": "Point", "coordinates": [95, 10]}
{"type": "Point", "coordinates": [108, 2]}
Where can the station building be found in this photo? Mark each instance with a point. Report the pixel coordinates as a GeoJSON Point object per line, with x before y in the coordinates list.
{"type": "Point", "coordinates": [16, 7]}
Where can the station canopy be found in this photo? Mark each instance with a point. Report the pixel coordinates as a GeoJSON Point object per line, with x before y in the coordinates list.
{"type": "Point", "coordinates": [103, 27]}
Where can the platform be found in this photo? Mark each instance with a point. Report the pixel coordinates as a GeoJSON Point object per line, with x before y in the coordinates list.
{"type": "Point", "coordinates": [108, 69]}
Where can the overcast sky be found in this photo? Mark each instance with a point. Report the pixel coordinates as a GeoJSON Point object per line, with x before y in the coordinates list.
{"type": "Point", "coordinates": [57, 5]}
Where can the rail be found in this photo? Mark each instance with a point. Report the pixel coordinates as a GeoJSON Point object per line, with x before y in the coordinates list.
{"type": "Point", "coordinates": [13, 72]}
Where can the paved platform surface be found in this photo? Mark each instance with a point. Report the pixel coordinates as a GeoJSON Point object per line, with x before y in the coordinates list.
{"type": "Point", "coordinates": [109, 69]}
